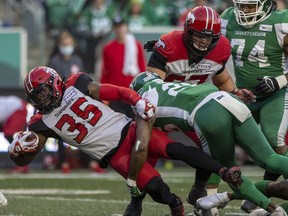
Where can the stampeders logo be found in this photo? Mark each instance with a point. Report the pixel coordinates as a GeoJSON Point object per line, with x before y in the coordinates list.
{"type": "Point", "coordinates": [160, 43]}
{"type": "Point", "coordinates": [190, 18]}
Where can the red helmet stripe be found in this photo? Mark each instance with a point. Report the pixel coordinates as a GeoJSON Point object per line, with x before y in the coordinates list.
{"type": "Point", "coordinates": [207, 17]}
{"type": "Point", "coordinates": [213, 16]}
{"type": "Point", "coordinates": [28, 83]}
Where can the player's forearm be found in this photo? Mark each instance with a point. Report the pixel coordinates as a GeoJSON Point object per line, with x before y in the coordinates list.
{"type": "Point", "coordinates": [111, 92]}
{"type": "Point", "coordinates": [22, 160]}
{"type": "Point", "coordinates": [140, 151]}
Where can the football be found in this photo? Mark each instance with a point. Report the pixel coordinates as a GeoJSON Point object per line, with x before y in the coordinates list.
{"type": "Point", "coordinates": [31, 137]}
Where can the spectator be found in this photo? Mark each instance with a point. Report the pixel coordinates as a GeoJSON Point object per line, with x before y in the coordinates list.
{"type": "Point", "coordinates": [64, 59]}
{"type": "Point", "coordinates": [123, 59]}
{"type": "Point", "coordinates": [136, 19]}
{"type": "Point", "coordinates": [66, 62]}
{"type": "Point", "coordinates": [91, 30]}
{"type": "Point", "coordinates": [61, 14]}
{"type": "Point", "coordinates": [156, 12]}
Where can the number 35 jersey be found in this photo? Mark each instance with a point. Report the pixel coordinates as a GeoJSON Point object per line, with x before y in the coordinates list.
{"type": "Point", "coordinates": [257, 51]}
{"type": "Point", "coordinates": [82, 121]}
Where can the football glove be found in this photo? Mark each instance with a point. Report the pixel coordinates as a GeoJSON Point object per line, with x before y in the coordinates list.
{"type": "Point", "coordinates": [132, 188]}
{"type": "Point", "coordinates": [268, 85]}
{"type": "Point", "coordinates": [149, 45]}
{"type": "Point", "coordinates": [245, 95]}
{"type": "Point", "coordinates": [145, 109]}
{"type": "Point", "coordinates": [21, 146]}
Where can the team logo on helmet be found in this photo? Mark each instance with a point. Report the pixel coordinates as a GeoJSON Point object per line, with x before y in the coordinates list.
{"type": "Point", "coordinates": [190, 18]}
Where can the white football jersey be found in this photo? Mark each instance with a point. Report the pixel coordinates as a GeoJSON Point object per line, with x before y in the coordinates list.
{"type": "Point", "coordinates": [83, 122]}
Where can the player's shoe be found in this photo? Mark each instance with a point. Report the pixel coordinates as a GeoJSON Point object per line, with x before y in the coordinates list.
{"type": "Point", "coordinates": [179, 210]}
{"type": "Point", "coordinates": [248, 206]}
{"type": "Point", "coordinates": [219, 200]}
{"type": "Point", "coordinates": [195, 194]}
{"type": "Point", "coordinates": [132, 211]}
{"type": "Point", "coordinates": [3, 200]}
{"type": "Point", "coordinates": [231, 176]}
{"type": "Point", "coordinates": [135, 206]}
{"type": "Point", "coordinates": [279, 211]}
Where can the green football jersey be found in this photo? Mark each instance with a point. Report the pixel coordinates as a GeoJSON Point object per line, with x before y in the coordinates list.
{"type": "Point", "coordinates": [175, 102]}
{"type": "Point", "coordinates": [257, 51]}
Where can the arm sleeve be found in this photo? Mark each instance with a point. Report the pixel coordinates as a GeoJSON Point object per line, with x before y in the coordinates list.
{"type": "Point", "coordinates": [157, 61]}
{"type": "Point", "coordinates": [111, 92]}
{"type": "Point", "coordinates": [141, 58]}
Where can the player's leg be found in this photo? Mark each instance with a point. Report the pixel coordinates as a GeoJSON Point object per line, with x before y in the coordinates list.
{"type": "Point", "coordinates": [273, 189]}
{"type": "Point", "coordinates": [198, 159]}
{"type": "Point", "coordinates": [213, 126]}
{"type": "Point", "coordinates": [217, 126]}
{"type": "Point", "coordinates": [149, 180]}
{"type": "Point", "coordinates": [249, 136]}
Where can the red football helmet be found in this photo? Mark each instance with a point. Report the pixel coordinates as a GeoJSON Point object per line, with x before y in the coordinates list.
{"type": "Point", "coordinates": [204, 22]}
{"type": "Point", "coordinates": [44, 88]}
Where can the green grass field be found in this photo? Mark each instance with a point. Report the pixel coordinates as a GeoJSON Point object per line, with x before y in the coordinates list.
{"type": "Point", "coordinates": [81, 193]}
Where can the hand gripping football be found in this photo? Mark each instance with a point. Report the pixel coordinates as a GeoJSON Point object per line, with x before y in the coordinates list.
{"type": "Point", "coordinates": [24, 142]}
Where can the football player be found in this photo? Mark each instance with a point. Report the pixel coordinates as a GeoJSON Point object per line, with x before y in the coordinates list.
{"type": "Point", "coordinates": [219, 121]}
{"type": "Point", "coordinates": [198, 54]}
{"type": "Point", "coordinates": [258, 34]}
{"type": "Point", "coordinates": [72, 112]}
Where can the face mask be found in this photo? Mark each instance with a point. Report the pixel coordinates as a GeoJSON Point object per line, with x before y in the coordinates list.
{"type": "Point", "coordinates": [66, 51]}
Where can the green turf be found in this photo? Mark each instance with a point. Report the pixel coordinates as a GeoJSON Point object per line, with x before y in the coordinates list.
{"type": "Point", "coordinates": [52, 193]}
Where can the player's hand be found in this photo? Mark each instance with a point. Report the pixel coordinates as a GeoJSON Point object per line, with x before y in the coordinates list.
{"type": "Point", "coordinates": [132, 188]}
{"type": "Point", "coordinates": [145, 109]}
{"type": "Point", "coordinates": [148, 46]}
{"type": "Point", "coordinates": [245, 95]}
{"type": "Point", "coordinates": [268, 85]}
{"type": "Point", "coordinates": [21, 145]}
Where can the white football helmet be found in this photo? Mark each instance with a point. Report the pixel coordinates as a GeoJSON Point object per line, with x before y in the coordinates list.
{"type": "Point", "coordinates": [248, 20]}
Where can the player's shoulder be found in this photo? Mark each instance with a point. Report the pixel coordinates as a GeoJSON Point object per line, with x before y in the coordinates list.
{"type": "Point", "coordinates": [278, 16]}
{"type": "Point", "coordinates": [170, 44]}
{"type": "Point", "coordinates": [75, 78]}
{"type": "Point", "coordinates": [170, 39]}
{"type": "Point", "coordinates": [228, 13]}
{"type": "Point", "coordinates": [35, 119]}
{"type": "Point", "coordinates": [223, 45]}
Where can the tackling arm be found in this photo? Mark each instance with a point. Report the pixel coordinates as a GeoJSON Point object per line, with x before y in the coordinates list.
{"type": "Point", "coordinates": [140, 150]}
{"type": "Point", "coordinates": [161, 73]}
{"type": "Point", "coordinates": [138, 155]}
{"type": "Point", "coordinates": [111, 92]}
{"type": "Point", "coordinates": [23, 157]}
{"type": "Point", "coordinates": [224, 81]}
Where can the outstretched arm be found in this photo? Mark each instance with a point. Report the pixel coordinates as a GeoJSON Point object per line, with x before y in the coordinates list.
{"type": "Point", "coordinates": [138, 154]}
{"type": "Point", "coordinates": [110, 92]}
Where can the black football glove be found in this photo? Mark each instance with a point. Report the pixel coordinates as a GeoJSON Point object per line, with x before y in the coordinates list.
{"type": "Point", "coordinates": [268, 85]}
{"type": "Point", "coordinates": [148, 46]}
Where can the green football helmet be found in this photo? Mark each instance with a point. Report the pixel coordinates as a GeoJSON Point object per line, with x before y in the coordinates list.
{"type": "Point", "coordinates": [142, 78]}
{"type": "Point", "coordinates": [248, 20]}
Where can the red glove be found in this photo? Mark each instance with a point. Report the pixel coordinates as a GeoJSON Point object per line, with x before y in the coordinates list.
{"type": "Point", "coordinates": [245, 95]}
{"type": "Point", "coordinates": [145, 109]}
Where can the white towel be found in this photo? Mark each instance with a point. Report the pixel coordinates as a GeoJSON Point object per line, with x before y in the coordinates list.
{"type": "Point", "coordinates": [131, 67]}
